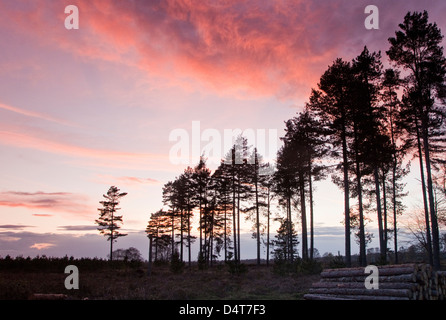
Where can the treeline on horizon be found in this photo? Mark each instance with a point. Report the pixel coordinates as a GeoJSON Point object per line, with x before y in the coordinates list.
{"type": "Point", "coordinates": [358, 127]}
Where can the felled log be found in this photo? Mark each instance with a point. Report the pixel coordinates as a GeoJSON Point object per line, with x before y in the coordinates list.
{"type": "Point", "coordinates": [403, 293]}
{"type": "Point", "coordinates": [360, 285]}
{"type": "Point", "coordinates": [395, 278]}
{"type": "Point", "coordinates": [383, 271]}
{"type": "Point", "coordinates": [395, 282]}
{"type": "Point", "coordinates": [48, 296]}
{"type": "Point", "coordinates": [311, 296]}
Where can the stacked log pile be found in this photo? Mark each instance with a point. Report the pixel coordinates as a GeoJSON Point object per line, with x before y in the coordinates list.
{"type": "Point", "coordinates": [396, 282]}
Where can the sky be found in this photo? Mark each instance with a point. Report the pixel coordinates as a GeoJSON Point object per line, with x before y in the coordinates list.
{"type": "Point", "coordinates": [84, 109]}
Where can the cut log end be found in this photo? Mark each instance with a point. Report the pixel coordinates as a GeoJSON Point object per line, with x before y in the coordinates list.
{"type": "Point", "coordinates": [396, 282]}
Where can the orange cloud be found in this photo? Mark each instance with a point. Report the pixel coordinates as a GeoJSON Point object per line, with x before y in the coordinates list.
{"type": "Point", "coordinates": [252, 47]}
{"type": "Point", "coordinates": [42, 245]}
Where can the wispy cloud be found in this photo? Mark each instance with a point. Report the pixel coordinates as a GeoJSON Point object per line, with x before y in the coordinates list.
{"type": "Point", "coordinates": [42, 245]}
{"type": "Point", "coordinates": [34, 114]}
{"type": "Point", "coordinates": [16, 227]}
{"type": "Point", "coordinates": [102, 157]}
{"type": "Point", "coordinates": [50, 201]}
{"type": "Point", "coordinates": [128, 181]}
{"type": "Point", "coordinates": [78, 228]}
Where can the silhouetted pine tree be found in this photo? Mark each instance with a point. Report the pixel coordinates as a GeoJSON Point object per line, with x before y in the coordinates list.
{"type": "Point", "coordinates": [108, 220]}
{"type": "Point", "coordinates": [392, 111]}
{"type": "Point", "coordinates": [417, 48]}
{"type": "Point", "coordinates": [331, 103]}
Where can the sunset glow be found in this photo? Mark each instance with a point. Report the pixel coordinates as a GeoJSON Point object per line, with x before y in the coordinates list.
{"type": "Point", "coordinates": [81, 110]}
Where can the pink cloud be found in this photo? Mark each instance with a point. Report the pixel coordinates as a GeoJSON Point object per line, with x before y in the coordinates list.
{"type": "Point", "coordinates": [42, 245]}
{"type": "Point", "coordinates": [125, 180]}
{"type": "Point", "coordinates": [34, 114]}
{"type": "Point", "coordinates": [105, 157]}
{"type": "Point", "coordinates": [49, 201]}
{"type": "Point", "coordinates": [266, 48]}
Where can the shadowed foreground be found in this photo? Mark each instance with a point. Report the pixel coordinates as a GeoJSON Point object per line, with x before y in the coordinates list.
{"type": "Point", "coordinates": [132, 283]}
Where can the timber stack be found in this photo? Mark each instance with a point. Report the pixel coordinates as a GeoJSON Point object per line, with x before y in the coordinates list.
{"type": "Point", "coordinates": [395, 282]}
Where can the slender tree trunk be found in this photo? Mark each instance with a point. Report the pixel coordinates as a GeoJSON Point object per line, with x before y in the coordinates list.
{"type": "Point", "coordinates": [395, 229]}
{"type": "Point", "coordinates": [348, 256]}
{"type": "Point", "coordinates": [181, 235]}
{"type": "Point", "coordinates": [394, 167]}
{"type": "Point", "coordinates": [200, 224]}
{"type": "Point", "coordinates": [303, 217]}
{"type": "Point", "coordinates": [433, 214]}
{"type": "Point", "coordinates": [362, 245]}
{"type": "Point", "coordinates": [149, 265]}
{"type": "Point", "coordinates": [234, 222]}
{"type": "Point", "coordinates": [112, 238]}
{"type": "Point", "coordinates": [267, 231]}
{"type": "Point", "coordinates": [173, 232]}
{"type": "Point", "coordinates": [238, 221]}
{"type": "Point", "coordinates": [111, 249]}
{"type": "Point", "coordinates": [380, 217]}
{"type": "Point", "coordinates": [157, 241]}
{"type": "Point", "coordinates": [188, 236]}
{"type": "Point", "coordinates": [225, 227]}
{"type": "Point", "coordinates": [257, 207]}
{"type": "Point", "coordinates": [205, 228]}
{"type": "Point", "coordinates": [311, 213]}
{"type": "Point", "coordinates": [385, 239]}
{"type": "Point", "coordinates": [426, 208]}
{"type": "Point", "coordinates": [211, 236]}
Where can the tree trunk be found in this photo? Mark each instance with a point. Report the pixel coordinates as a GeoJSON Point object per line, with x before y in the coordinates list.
{"type": "Point", "coordinates": [234, 222]}
{"type": "Point", "coordinates": [267, 231]}
{"type": "Point", "coordinates": [149, 265]}
{"type": "Point", "coordinates": [303, 217]}
{"type": "Point", "coordinates": [200, 225]}
{"type": "Point", "coordinates": [225, 227]}
{"type": "Point", "coordinates": [385, 239]}
{"type": "Point", "coordinates": [394, 167]}
{"type": "Point", "coordinates": [188, 236]}
{"type": "Point", "coordinates": [433, 214]}
{"type": "Point", "coordinates": [362, 245]}
{"type": "Point", "coordinates": [382, 249]}
{"type": "Point", "coordinates": [181, 235]}
{"type": "Point", "coordinates": [426, 208]}
{"type": "Point", "coordinates": [348, 257]}
{"type": "Point", "coordinates": [111, 231]}
{"type": "Point", "coordinates": [310, 186]}
{"type": "Point", "coordinates": [173, 232]}
{"type": "Point", "coordinates": [290, 233]}
{"type": "Point", "coordinates": [395, 229]}
{"type": "Point", "coordinates": [257, 206]}
{"type": "Point", "coordinates": [238, 220]}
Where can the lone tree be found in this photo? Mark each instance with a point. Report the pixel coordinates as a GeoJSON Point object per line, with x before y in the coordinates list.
{"type": "Point", "coordinates": [108, 220]}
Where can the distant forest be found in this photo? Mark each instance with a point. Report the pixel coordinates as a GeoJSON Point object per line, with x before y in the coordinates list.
{"type": "Point", "coordinates": [361, 127]}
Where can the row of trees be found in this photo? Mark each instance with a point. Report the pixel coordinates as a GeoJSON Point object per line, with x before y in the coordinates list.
{"type": "Point", "coordinates": [375, 117]}
{"type": "Point", "coordinates": [218, 199]}
{"type": "Point", "coordinates": [359, 127]}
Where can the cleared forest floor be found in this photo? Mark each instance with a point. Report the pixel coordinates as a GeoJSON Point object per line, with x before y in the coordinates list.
{"type": "Point", "coordinates": [212, 284]}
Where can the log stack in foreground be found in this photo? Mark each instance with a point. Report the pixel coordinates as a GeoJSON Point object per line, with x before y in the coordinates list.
{"type": "Point", "coordinates": [396, 282]}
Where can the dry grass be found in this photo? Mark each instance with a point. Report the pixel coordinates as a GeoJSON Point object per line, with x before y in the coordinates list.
{"type": "Point", "coordinates": [212, 284]}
